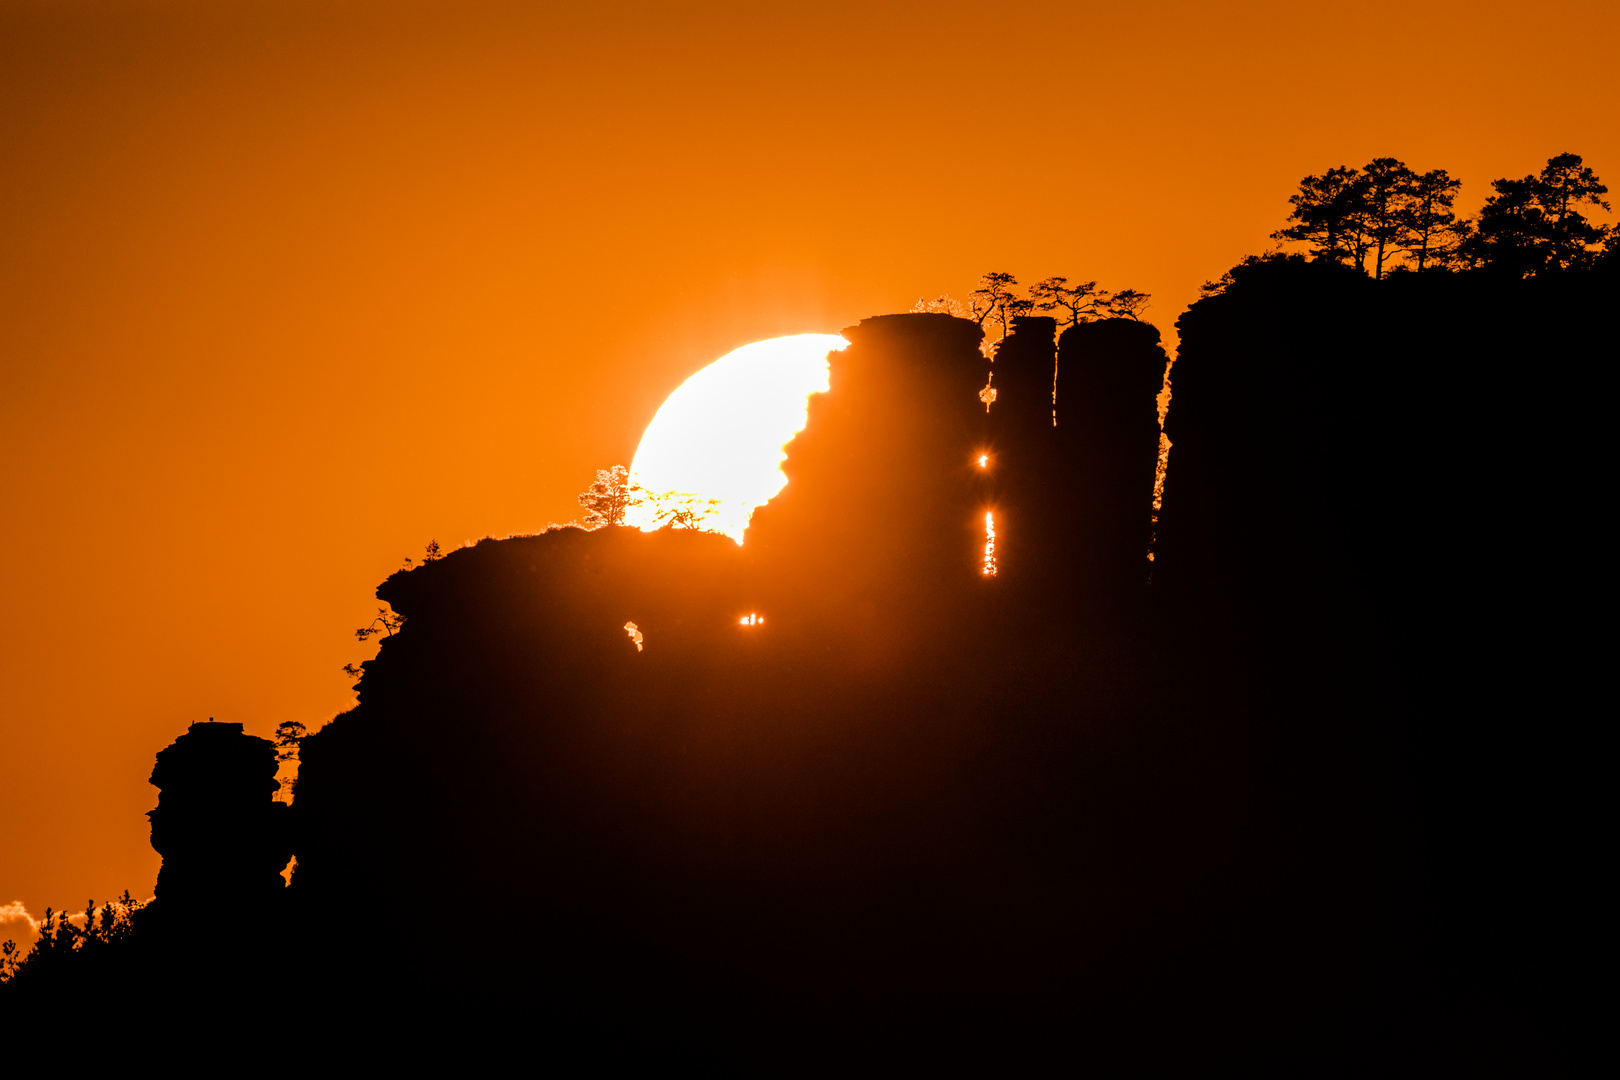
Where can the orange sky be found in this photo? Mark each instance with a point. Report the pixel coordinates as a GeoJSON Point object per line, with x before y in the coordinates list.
{"type": "Point", "coordinates": [288, 289]}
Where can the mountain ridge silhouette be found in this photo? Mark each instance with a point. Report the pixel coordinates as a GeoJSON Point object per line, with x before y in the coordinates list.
{"type": "Point", "coordinates": [1053, 805]}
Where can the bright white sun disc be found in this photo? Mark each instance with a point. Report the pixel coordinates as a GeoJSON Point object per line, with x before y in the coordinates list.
{"type": "Point", "coordinates": [720, 436]}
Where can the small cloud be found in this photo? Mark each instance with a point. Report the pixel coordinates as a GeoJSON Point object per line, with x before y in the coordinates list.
{"type": "Point", "coordinates": [15, 912]}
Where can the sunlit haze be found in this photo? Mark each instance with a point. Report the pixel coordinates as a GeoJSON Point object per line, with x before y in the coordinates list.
{"type": "Point", "coordinates": [721, 434]}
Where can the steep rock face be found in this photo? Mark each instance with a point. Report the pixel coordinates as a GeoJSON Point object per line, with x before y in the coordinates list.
{"type": "Point", "coordinates": [1025, 376]}
{"type": "Point", "coordinates": [852, 800]}
{"type": "Point", "coordinates": [1072, 481]}
{"type": "Point", "coordinates": [1019, 447]}
{"type": "Point", "coordinates": [883, 502]}
{"type": "Point", "coordinates": [1372, 481]}
{"type": "Point", "coordinates": [480, 725]}
{"type": "Point", "coordinates": [1109, 376]}
{"type": "Point", "coordinates": [224, 841]}
{"type": "Point", "coordinates": [212, 945]}
{"type": "Point", "coordinates": [1293, 405]}
{"type": "Point", "coordinates": [887, 498]}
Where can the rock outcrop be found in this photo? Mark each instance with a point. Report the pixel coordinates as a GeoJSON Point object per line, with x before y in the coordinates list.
{"type": "Point", "coordinates": [833, 806]}
{"type": "Point", "coordinates": [223, 838]}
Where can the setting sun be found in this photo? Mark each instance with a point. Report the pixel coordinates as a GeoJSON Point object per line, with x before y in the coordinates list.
{"type": "Point", "coordinates": [720, 436]}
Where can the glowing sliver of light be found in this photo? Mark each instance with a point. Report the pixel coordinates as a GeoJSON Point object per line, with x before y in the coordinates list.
{"type": "Point", "coordinates": [989, 544]}
{"type": "Point", "coordinates": [721, 434]}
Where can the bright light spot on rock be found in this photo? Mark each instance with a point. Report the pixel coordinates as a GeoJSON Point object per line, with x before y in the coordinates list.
{"type": "Point", "coordinates": [984, 459]}
{"type": "Point", "coordinates": [752, 620]}
{"type": "Point", "coordinates": [989, 544]}
{"type": "Point", "coordinates": [635, 635]}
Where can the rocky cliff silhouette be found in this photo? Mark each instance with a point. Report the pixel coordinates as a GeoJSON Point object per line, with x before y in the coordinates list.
{"type": "Point", "coordinates": [1074, 437]}
{"type": "Point", "coordinates": [223, 840]}
{"type": "Point", "coordinates": [1375, 485]}
{"type": "Point", "coordinates": [914, 791]}
{"type": "Point", "coordinates": [210, 946]}
{"type": "Point", "coordinates": [1052, 809]}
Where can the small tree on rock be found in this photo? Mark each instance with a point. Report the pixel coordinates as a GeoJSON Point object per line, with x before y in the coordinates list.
{"type": "Point", "coordinates": [940, 305]}
{"type": "Point", "coordinates": [1565, 185]}
{"type": "Point", "coordinates": [608, 498]}
{"type": "Point", "coordinates": [1427, 223]}
{"type": "Point", "coordinates": [995, 299]}
{"type": "Point", "coordinates": [1535, 225]}
{"type": "Point", "coordinates": [1329, 213]}
{"type": "Point", "coordinates": [1384, 186]}
{"type": "Point", "coordinates": [289, 736]}
{"type": "Point", "coordinates": [681, 509]}
{"type": "Point", "coordinates": [1083, 302]}
{"type": "Point", "coordinates": [385, 622]}
{"type": "Point", "coordinates": [1128, 304]}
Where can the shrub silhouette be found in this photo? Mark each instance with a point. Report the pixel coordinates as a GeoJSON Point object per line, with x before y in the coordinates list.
{"type": "Point", "coordinates": [68, 954]}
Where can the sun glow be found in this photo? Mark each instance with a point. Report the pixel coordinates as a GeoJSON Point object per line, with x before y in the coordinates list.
{"type": "Point", "coordinates": [721, 435]}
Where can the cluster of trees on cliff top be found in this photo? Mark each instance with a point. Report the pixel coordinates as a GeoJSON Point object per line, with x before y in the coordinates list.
{"type": "Point", "coordinates": [995, 303]}
{"type": "Point", "coordinates": [1381, 217]}
{"type": "Point", "coordinates": [613, 494]}
{"type": "Point", "coordinates": [1387, 216]}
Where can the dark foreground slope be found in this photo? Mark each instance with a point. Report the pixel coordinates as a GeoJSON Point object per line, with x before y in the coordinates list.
{"type": "Point", "coordinates": [1378, 492]}
{"type": "Point", "coordinates": [915, 797]}
{"type": "Point", "coordinates": [1052, 810]}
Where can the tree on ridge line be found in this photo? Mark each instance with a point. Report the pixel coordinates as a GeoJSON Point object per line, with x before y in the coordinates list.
{"type": "Point", "coordinates": [1528, 226]}
{"type": "Point", "coordinates": [996, 300]}
{"type": "Point", "coordinates": [608, 498]}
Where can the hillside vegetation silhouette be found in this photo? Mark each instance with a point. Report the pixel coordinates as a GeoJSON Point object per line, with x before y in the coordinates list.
{"type": "Point", "coordinates": [1062, 799]}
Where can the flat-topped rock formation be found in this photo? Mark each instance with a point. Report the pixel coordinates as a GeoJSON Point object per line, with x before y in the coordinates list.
{"type": "Point", "coordinates": [223, 838]}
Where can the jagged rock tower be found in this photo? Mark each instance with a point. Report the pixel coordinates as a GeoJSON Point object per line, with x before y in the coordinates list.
{"type": "Point", "coordinates": [223, 838]}
{"type": "Point", "coordinates": [1072, 440]}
